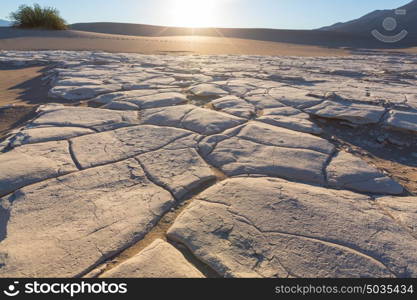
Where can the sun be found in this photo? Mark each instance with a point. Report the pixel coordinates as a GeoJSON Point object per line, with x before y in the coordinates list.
{"type": "Point", "coordinates": [193, 13]}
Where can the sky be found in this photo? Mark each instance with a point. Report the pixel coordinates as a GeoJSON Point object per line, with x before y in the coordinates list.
{"type": "Point", "coordinates": [281, 14]}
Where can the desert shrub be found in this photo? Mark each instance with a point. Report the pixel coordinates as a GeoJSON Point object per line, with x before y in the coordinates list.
{"type": "Point", "coordinates": [38, 17]}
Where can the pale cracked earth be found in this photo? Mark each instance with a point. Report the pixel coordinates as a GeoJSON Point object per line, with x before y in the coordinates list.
{"type": "Point", "coordinates": [238, 139]}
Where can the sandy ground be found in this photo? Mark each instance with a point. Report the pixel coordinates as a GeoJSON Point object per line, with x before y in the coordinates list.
{"type": "Point", "coordinates": [23, 90]}
{"type": "Point", "coordinates": [13, 117]}
{"type": "Point", "coordinates": [22, 86]}
{"type": "Point", "coordinates": [412, 50]}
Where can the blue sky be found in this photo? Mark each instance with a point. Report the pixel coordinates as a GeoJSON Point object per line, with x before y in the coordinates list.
{"type": "Point", "coordinates": [285, 14]}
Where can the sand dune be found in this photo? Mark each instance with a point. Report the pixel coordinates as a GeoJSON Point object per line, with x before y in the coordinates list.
{"type": "Point", "coordinates": [322, 38]}
{"type": "Point", "coordinates": [15, 39]}
{"type": "Point", "coordinates": [148, 39]}
{"type": "Point", "coordinates": [307, 37]}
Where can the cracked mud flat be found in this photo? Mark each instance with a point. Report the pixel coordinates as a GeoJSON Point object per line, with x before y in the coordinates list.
{"type": "Point", "coordinates": [203, 166]}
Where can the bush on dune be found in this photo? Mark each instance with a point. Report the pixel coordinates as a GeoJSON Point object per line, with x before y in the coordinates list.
{"type": "Point", "coordinates": [38, 17]}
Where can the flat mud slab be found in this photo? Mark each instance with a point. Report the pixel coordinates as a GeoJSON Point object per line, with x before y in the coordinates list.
{"type": "Point", "coordinates": [215, 166]}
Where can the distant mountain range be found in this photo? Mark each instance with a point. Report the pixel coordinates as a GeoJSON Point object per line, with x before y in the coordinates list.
{"type": "Point", "coordinates": [375, 19]}
{"type": "Point", "coordinates": [4, 23]}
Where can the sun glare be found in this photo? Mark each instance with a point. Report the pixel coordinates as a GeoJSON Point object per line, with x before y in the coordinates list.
{"type": "Point", "coordinates": [193, 13]}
